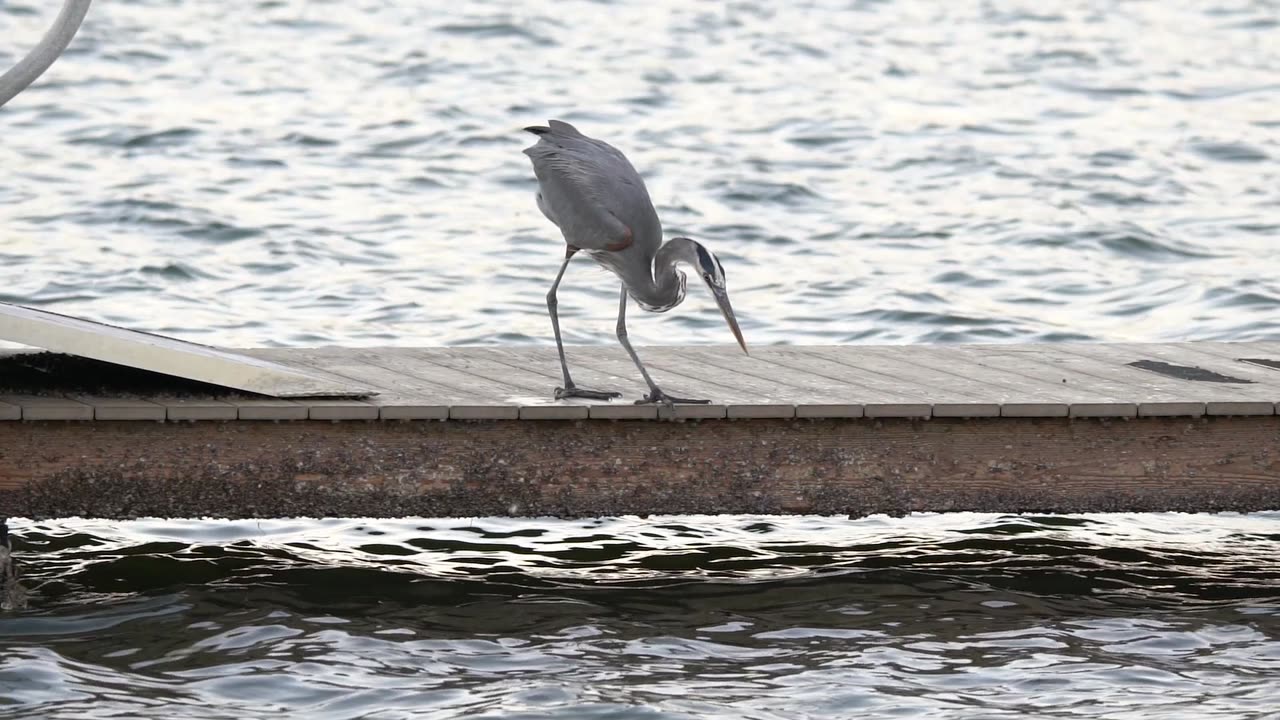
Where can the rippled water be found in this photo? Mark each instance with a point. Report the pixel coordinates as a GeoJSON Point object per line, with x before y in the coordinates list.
{"type": "Point", "coordinates": [290, 173]}
{"type": "Point", "coordinates": [350, 172]}
{"type": "Point", "coordinates": [959, 616]}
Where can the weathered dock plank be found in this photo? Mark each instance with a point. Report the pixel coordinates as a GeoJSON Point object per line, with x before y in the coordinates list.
{"type": "Point", "coordinates": [864, 393]}
{"type": "Point", "coordinates": [722, 392]}
{"type": "Point", "coordinates": [546, 364]}
{"type": "Point", "coordinates": [808, 391]}
{"type": "Point", "coordinates": [269, 409]}
{"type": "Point", "coordinates": [1155, 396]}
{"type": "Point", "coordinates": [1016, 394]}
{"type": "Point", "coordinates": [1087, 395]}
{"type": "Point", "coordinates": [1077, 380]}
{"type": "Point", "coordinates": [1043, 428]}
{"type": "Point", "coordinates": [402, 393]}
{"type": "Point", "coordinates": [1238, 388]}
{"type": "Point", "coordinates": [755, 392]}
{"type": "Point", "coordinates": [325, 409]}
{"type": "Point", "coordinates": [1222, 358]}
{"type": "Point", "coordinates": [40, 407]}
{"type": "Point", "coordinates": [182, 408]}
{"type": "Point", "coordinates": [954, 397]}
{"type": "Point", "coordinates": [118, 408]}
{"type": "Point", "coordinates": [527, 390]}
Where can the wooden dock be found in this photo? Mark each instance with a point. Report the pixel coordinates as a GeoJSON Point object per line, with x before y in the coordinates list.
{"type": "Point", "coordinates": [473, 431]}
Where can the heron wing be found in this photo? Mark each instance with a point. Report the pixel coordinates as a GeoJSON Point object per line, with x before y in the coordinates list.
{"type": "Point", "coordinates": [590, 190]}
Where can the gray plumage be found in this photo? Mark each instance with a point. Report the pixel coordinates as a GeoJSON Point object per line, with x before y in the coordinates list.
{"type": "Point", "coordinates": [589, 190]}
{"type": "Point", "coordinates": [593, 194]}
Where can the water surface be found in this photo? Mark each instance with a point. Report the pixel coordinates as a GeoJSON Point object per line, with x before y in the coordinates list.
{"type": "Point", "coordinates": [954, 616]}
{"type": "Point", "coordinates": [293, 173]}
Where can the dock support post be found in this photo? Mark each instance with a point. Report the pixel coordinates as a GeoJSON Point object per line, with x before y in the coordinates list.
{"type": "Point", "coordinates": [12, 595]}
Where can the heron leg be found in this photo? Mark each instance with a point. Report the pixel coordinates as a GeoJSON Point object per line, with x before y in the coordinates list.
{"type": "Point", "coordinates": [656, 394]}
{"type": "Point", "coordinates": [12, 594]}
{"type": "Point", "coordinates": [569, 390]}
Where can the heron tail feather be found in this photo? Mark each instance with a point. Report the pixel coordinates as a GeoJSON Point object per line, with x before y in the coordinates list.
{"type": "Point", "coordinates": [556, 127]}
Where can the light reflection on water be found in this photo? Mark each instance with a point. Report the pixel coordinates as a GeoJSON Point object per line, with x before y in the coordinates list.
{"type": "Point", "coordinates": [308, 173]}
{"type": "Point", "coordinates": [960, 615]}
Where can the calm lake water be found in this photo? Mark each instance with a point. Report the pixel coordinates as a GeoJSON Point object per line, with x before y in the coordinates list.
{"type": "Point", "coordinates": [300, 173]}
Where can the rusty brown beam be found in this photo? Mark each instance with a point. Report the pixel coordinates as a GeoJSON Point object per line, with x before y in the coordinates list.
{"type": "Point", "coordinates": [124, 469]}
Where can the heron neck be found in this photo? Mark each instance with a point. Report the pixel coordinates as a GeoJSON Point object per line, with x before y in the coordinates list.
{"type": "Point", "coordinates": [667, 288]}
{"type": "Point", "coordinates": [46, 51]}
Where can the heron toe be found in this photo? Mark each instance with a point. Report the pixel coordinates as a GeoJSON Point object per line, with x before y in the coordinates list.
{"type": "Point", "coordinates": [657, 396]}
{"type": "Point", "coordinates": [577, 392]}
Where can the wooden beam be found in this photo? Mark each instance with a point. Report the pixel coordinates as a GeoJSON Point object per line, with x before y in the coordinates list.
{"type": "Point", "coordinates": [123, 469]}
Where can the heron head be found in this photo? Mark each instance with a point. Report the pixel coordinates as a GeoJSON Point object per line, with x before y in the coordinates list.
{"type": "Point", "coordinates": [712, 273]}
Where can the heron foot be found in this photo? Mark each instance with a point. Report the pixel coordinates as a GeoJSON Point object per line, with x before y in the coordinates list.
{"type": "Point", "coordinates": [574, 391]}
{"type": "Point", "coordinates": [657, 396]}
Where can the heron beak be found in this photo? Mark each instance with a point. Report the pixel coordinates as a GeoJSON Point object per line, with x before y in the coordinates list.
{"type": "Point", "coordinates": [722, 299]}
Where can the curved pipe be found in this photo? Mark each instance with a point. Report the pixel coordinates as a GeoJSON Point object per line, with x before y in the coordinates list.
{"type": "Point", "coordinates": [42, 55]}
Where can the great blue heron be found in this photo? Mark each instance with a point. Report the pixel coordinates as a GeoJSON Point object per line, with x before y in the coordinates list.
{"type": "Point", "coordinates": [592, 193]}
{"type": "Point", "coordinates": [46, 51]}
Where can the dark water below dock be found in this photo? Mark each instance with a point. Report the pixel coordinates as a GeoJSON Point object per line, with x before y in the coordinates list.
{"type": "Point", "coordinates": [949, 616]}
